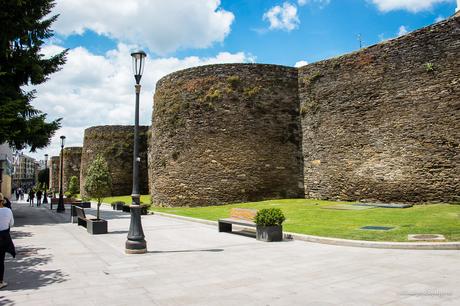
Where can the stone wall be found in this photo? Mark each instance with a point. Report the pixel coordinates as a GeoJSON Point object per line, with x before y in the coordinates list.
{"type": "Point", "coordinates": [115, 143]}
{"type": "Point", "coordinates": [54, 173]}
{"type": "Point", "coordinates": [226, 133]}
{"type": "Point", "coordinates": [384, 123]}
{"type": "Point", "coordinates": [72, 161]}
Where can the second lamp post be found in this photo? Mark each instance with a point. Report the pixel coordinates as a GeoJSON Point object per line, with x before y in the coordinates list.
{"type": "Point", "coordinates": [135, 243]}
{"type": "Point", "coordinates": [61, 207]}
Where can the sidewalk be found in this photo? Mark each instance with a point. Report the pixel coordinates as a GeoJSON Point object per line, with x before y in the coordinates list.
{"type": "Point", "coordinates": [188, 263]}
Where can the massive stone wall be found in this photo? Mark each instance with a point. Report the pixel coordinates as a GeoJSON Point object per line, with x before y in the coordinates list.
{"type": "Point", "coordinates": [226, 133]}
{"type": "Point", "coordinates": [54, 173]}
{"type": "Point", "coordinates": [71, 167]}
{"type": "Point", "coordinates": [115, 143]}
{"type": "Point", "coordinates": [384, 123]}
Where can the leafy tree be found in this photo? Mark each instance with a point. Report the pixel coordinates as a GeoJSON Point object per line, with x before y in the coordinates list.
{"type": "Point", "coordinates": [74, 188]}
{"type": "Point", "coordinates": [44, 176]}
{"type": "Point", "coordinates": [98, 182]}
{"type": "Point", "coordinates": [25, 25]}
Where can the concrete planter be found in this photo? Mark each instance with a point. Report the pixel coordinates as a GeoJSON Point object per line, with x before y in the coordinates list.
{"type": "Point", "coordinates": [269, 233]}
{"type": "Point", "coordinates": [144, 209]}
{"type": "Point", "coordinates": [96, 226]}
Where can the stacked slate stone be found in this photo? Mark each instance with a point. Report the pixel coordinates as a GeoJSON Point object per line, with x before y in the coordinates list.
{"type": "Point", "coordinates": [226, 133]}
{"type": "Point", "coordinates": [54, 173]}
{"type": "Point", "coordinates": [115, 143]}
{"type": "Point", "coordinates": [72, 162]}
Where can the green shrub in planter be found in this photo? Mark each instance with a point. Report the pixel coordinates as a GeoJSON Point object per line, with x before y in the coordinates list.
{"type": "Point", "coordinates": [269, 217]}
{"type": "Point", "coordinates": [269, 224]}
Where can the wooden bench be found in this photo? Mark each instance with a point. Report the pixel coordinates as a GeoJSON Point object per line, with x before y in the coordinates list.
{"type": "Point", "coordinates": [238, 216]}
{"type": "Point", "coordinates": [82, 218]}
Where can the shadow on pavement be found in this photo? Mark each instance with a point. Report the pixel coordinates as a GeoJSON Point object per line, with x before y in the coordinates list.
{"type": "Point", "coordinates": [23, 272]}
{"type": "Point", "coordinates": [5, 302]}
{"type": "Point", "coordinates": [18, 235]}
{"type": "Point", "coordinates": [186, 251]}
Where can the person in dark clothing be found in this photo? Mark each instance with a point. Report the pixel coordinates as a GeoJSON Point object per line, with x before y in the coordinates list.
{"type": "Point", "coordinates": [6, 243]}
{"type": "Point", "coordinates": [39, 197]}
{"type": "Point", "coordinates": [31, 197]}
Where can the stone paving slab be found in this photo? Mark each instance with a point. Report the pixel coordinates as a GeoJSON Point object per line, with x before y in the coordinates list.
{"type": "Point", "coordinates": [190, 263]}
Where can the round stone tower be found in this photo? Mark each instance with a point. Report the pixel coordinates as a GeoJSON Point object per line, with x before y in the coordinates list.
{"type": "Point", "coordinates": [54, 173]}
{"type": "Point", "coordinates": [226, 133]}
{"type": "Point", "coordinates": [115, 143]}
{"type": "Point", "coordinates": [72, 161]}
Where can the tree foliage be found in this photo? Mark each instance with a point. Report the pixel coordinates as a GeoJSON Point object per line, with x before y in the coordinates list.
{"type": "Point", "coordinates": [98, 182]}
{"type": "Point", "coordinates": [44, 176]}
{"type": "Point", "coordinates": [74, 188]}
{"type": "Point", "coordinates": [25, 25]}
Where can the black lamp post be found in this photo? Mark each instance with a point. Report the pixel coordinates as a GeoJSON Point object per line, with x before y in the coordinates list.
{"type": "Point", "coordinates": [135, 243]}
{"type": "Point", "coordinates": [61, 207]}
{"type": "Point", "coordinates": [45, 196]}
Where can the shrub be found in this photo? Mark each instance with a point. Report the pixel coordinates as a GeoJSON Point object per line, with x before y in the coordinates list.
{"type": "Point", "coordinates": [429, 67]}
{"type": "Point", "coordinates": [116, 203]}
{"type": "Point", "coordinates": [74, 189]}
{"type": "Point", "coordinates": [269, 217]}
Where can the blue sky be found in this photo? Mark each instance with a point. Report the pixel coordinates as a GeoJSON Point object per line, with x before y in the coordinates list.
{"type": "Point", "coordinates": [324, 31]}
{"type": "Point", "coordinates": [95, 86]}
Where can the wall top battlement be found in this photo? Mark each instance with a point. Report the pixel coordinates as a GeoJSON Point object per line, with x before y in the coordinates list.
{"type": "Point", "coordinates": [225, 68]}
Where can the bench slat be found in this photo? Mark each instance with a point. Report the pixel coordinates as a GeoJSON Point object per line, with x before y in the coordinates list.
{"type": "Point", "coordinates": [237, 222]}
{"type": "Point", "coordinates": [243, 214]}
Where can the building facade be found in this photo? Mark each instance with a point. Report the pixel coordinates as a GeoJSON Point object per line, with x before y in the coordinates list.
{"type": "Point", "coordinates": [6, 169]}
{"type": "Point", "coordinates": [25, 172]}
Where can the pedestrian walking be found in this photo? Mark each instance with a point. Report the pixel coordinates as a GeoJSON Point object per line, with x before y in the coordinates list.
{"type": "Point", "coordinates": [21, 193]}
{"type": "Point", "coordinates": [31, 197]}
{"type": "Point", "coordinates": [39, 198]}
{"type": "Point", "coordinates": [6, 243]}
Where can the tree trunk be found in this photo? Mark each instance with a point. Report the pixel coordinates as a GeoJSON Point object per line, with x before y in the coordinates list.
{"type": "Point", "coordinates": [98, 205]}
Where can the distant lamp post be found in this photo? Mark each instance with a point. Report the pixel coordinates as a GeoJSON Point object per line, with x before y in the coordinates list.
{"type": "Point", "coordinates": [45, 196]}
{"type": "Point", "coordinates": [61, 207]}
{"type": "Point", "coordinates": [135, 243]}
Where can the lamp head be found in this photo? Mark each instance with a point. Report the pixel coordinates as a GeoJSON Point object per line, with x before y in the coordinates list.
{"type": "Point", "coordinates": [138, 64]}
{"type": "Point", "coordinates": [62, 141]}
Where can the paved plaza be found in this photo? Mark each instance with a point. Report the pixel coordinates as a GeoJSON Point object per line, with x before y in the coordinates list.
{"type": "Point", "coordinates": [188, 263]}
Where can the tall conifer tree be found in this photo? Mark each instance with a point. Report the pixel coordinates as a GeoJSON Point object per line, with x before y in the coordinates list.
{"type": "Point", "coordinates": [25, 25]}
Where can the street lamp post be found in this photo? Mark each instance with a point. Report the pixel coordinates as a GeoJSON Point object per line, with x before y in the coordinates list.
{"type": "Point", "coordinates": [61, 207]}
{"type": "Point", "coordinates": [45, 196]}
{"type": "Point", "coordinates": [135, 243]}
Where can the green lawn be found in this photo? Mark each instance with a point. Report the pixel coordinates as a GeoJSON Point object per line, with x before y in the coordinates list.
{"type": "Point", "coordinates": [127, 199]}
{"type": "Point", "coordinates": [310, 217]}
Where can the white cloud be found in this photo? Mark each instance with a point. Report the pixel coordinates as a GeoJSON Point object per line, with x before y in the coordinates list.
{"type": "Point", "coordinates": [319, 2]}
{"type": "Point", "coordinates": [300, 64]}
{"type": "Point", "coordinates": [439, 18]}
{"type": "Point", "coordinates": [282, 17]}
{"type": "Point", "coordinates": [402, 31]}
{"type": "Point", "coordinates": [162, 26]}
{"type": "Point", "coordinates": [98, 90]}
{"type": "Point", "coordinates": [409, 5]}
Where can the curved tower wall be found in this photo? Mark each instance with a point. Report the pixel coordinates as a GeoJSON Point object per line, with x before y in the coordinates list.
{"type": "Point", "coordinates": [226, 133]}
{"type": "Point", "coordinates": [115, 143]}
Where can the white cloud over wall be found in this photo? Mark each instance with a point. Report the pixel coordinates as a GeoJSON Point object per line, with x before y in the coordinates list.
{"type": "Point", "coordinates": [162, 26]}
{"type": "Point", "coordinates": [282, 17]}
{"type": "Point", "coordinates": [300, 64]}
{"type": "Point", "coordinates": [409, 5]}
{"type": "Point", "coordinates": [402, 31]}
{"type": "Point", "coordinates": [99, 90]}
